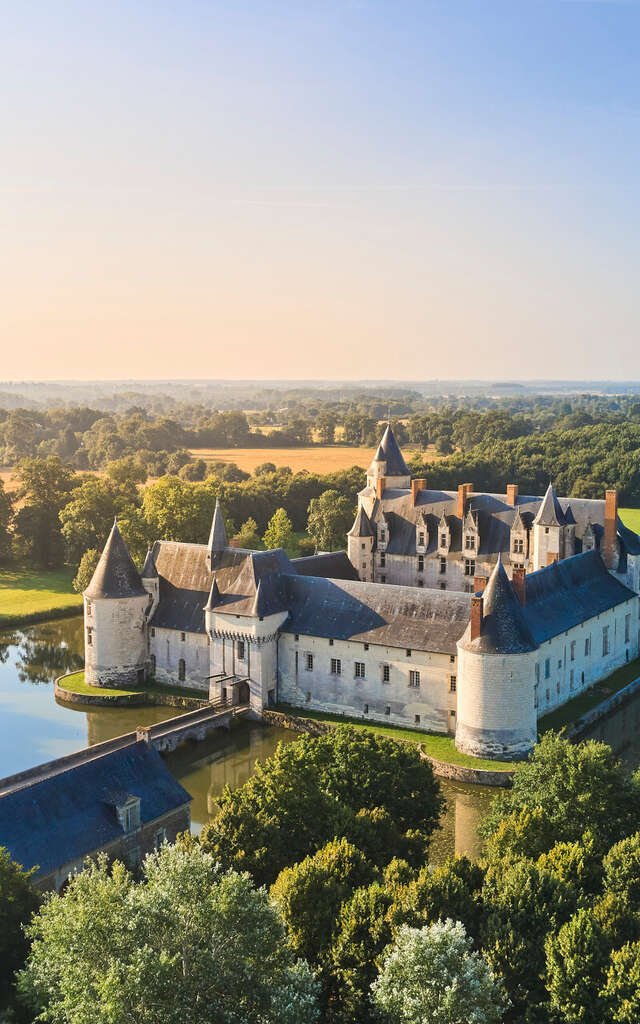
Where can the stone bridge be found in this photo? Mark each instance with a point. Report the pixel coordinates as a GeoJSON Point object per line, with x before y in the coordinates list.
{"type": "Point", "coordinates": [194, 725]}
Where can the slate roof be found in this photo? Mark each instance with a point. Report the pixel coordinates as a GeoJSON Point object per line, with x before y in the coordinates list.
{"type": "Point", "coordinates": [425, 620]}
{"type": "Point", "coordinates": [333, 565]}
{"type": "Point", "coordinates": [115, 575]}
{"type": "Point", "coordinates": [362, 526]}
{"type": "Point", "coordinates": [149, 571]}
{"type": "Point", "coordinates": [550, 512]}
{"type": "Point", "coordinates": [72, 814]}
{"type": "Point", "coordinates": [218, 534]}
{"type": "Point", "coordinates": [566, 593]}
{"type": "Point", "coordinates": [388, 451]}
{"type": "Point", "coordinates": [505, 629]}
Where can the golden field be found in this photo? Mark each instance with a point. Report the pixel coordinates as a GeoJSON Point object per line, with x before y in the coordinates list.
{"type": "Point", "coordinates": [316, 459]}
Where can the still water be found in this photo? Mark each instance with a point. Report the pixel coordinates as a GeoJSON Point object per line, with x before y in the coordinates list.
{"type": "Point", "coordinates": [34, 728]}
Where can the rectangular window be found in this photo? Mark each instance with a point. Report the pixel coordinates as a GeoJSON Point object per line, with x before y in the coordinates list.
{"type": "Point", "coordinates": [416, 719]}
{"type": "Point", "coordinates": [359, 669]}
{"type": "Point", "coordinates": [364, 547]}
{"type": "Point", "coordinates": [297, 652]}
{"type": "Point", "coordinates": [408, 652]}
{"type": "Point", "coordinates": [183, 637]}
{"type": "Point", "coordinates": [420, 563]}
{"type": "Point", "coordinates": [309, 662]}
{"type": "Point", "coordinates": [159, 838]}
{"type": "Point", "coordinates": [605, 640]}
{"type": "Point", "coordinates": [366, 647]}
{"type": "Point", "coordinates": [89, 636]}
{"type": "Point", "coordinates": [573, 650]}
{"type": "Point", "coordinates": [336, 667]}
{"type": "Point", "coordinates": [452, 659]}
{"type": "Point", "coordinates": [571, 680]}
{"type": "Point", "coordinates": [443, 566]}
{"type": "Point", "coordinates": [153, 632]}
{"type": "Point", "coordinates": [421, 582]}
{"type": "Point", "coordinates": [518, 546]}
{"type": "Point", "coordinates": [537, 672]}
{"type": "Point", "coordinates": [547, 668]}
{"type": "Point", "coordinates": [627, 628]}
{"type": "Point", "coordinates": [383, 561]}
{"type": "Point", "coordinates": [548, 692]}
{"type": "Point", "coordinates": [387, 709]}
{"type": "Point", "coordinates": [453, 682]}
{"type": "Point", "coordinates": [421, 539]}
{"type": "Point", "coordinates": [414, 679]}
{"type": "Point", "coordinates": [296, 637]}
{"type": "Point", "coordinates": [88, 606]}
{"type": "Point", "coordinates": [383, 579]}
{"type": "Point", "coordinates": [383, 536]}
{"type": "Point", "coordinates": [308, 697]}
{"type": "Point", "coordinates": [386, 673]}
{"type": "Point", "coordinates": [470, 542]}
{"type": "Point", "coordinates": [240, 650]}
{"type": "Point", "coordinates": [469, 566]}
{"type": "Point", "coordinates": [131, 818]}
{"type": "Point", "coordinates": [443, 540]}
{"type": "Point", "coordinates": [366, 709]}
{"type": "Point", "coordinates": [587, 647]}
{"type": "Point", "coordinates": [443, 585]}
{"type": "Point", "coordinates": [535, 696]}
{"type": "Point", "coordinates": [330, 641]}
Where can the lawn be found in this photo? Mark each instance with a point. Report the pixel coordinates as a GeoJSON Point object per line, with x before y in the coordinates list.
{"type": "Point", "coordinates": [75, 682]}
{"type": "Point", "coordinates": [574, 709]}
{"type": "Point", "coordinates": [631, 518]}
{"type": "Point", "coordinates": [442, 748]}
{"type": "Point", "coordinates": [27, 596]}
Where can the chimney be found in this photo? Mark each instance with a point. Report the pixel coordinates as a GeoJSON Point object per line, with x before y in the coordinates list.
{"type": "Point", "coordinates": [477, 605]}
{"type": "Point", "coordinates": [518, 580]}
{"type": "Point", "coordinates": [464, 490]}
{"type": "Point", "coordinates": [380, 486]}
{"type": "Point", "coordinates": [479, 583]}
{"type": "Point", "coordinates": [417, 485]}
{"type": "Point", "coordinates": [608, 551]}
{"type": "Point", "coordinates": [512, 494]}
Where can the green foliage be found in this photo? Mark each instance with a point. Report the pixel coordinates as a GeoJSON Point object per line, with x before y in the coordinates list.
{"type": "Point", "coordinates": [279, 532]}
{"type": "Point", "coordinates": [577, 787]}
{"type": "Point", "coordinates": [362, 931]}
{"type": "Point", "coordinates": [621, 992]}
{"type": "Point", "coordinates": [44, 486]}
{"type": "Point", "coordinates": [6, 519]}
{"type": "Point", "coordinates": [451, 890]}
{"type": "Point", "coordinates": [330, 517]}
{"type": "Point", "coordinates": [247, 536]}
{"type": "Point", "coordinates": [18, 901]}
{"type": "Point", "coordinates": [186, 943]}
{"type": "Point", "coordinates": [86, 569]}
{"type": "Point", "coordinates": [314, 790]}
{"type": "Point", "coordinates": [576, 960]}
{"type": "Point", "coordinates": [430, 975]}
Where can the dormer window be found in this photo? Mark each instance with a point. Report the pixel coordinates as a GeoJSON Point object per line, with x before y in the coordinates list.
{"type": "Point", "coordinates": [131, 817]}
{"type": "Point", "coordinates": [443, 540]}
{"type": "Point", "coordinates": [470, 542]}
{"type": "Point", "coordinates": [518, 546]}
{"type": "Point", "coordinates": [421, 539]}
{"type": "Point", "coordinates": [383, 536]}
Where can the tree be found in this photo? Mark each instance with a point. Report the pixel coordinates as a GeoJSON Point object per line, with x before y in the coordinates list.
{"type": "Point", "coordinates": [361, 933]}
{"type": "Point", "coordinates": [430, 975]}
{"type": "Point", "coordinates": [186, 943]}
{"type": "Point", "coordinates": [247, 536]}
{"type": "Point", "coordinates": [329, 518]}
{"type": "Point", "coordinates": [621, 991]}
{"type": "Point", "coordinates": [6, 517]}
{"type": "Point", "coordinates": [44, 486]}
{"type": "Point", "coordinates": [279, 533]}
{"type": "Point", "coordinates": [348, 783]}
{"type": "Point", "coordinates": [86, 569]}
{"type": "Point", "coordinates": [576, 959]}
{"type": "Point", "coordinates": [18, 901]}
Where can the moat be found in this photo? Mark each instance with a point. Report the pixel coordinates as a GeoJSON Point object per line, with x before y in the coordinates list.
{"type": "Point", "coordinates": [35, 729]}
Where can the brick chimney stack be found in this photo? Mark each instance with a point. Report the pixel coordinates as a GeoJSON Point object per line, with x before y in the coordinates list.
{"type": "Point", "coordinates": [608, 551]}
{"type": "Point", "coordinates": [381, 483]}
{"type": "Point", "coordinates": [417, 485]}
{"type": "Point", "coordinates": [512, 494]}
{"type": "Point", "coordinates": [464, 490]}
{"type": "Point", "coordinates": [477, 611]}
{"type": "Point", "coordinates": [479, 583]}
{"type": "Point", "coordinates": [519, 582]}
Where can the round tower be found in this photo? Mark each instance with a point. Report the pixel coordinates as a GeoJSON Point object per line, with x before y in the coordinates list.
{"type": "Point", "coordinates": [360, 545]}
{"type": "Point", "coordinates": [115, 606]}
{"type": "Point", "coordinates": [496, 715]}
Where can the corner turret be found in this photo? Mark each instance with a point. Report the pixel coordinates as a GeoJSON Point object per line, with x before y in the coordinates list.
{"type": "Point", "coordinates": [360, 543]}
{"type": "Point", "coordinates": [388, 468]}
{"type": "Point", "coordinates": [151, 582]}
{"type": "Point", "coordinates": [217, 537]}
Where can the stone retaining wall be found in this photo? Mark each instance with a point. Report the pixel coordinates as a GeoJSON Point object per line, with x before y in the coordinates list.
{"type": "Point", "coordinates": [575, 731]}
{"type": "Point", "coordinates": [303, 725]}
{"type": "Point", "coordinates": [129, 700]}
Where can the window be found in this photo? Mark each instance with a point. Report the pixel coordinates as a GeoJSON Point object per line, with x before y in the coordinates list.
{"type": "Point", "coordinates": [571, 680]}
{"type": "Point", "coordinates": [364, 547]}
{"type": "Point", "coordinates": [359, 669]}
{"type": "Point", "coordinates": [88, 607]}
{"type": "Point", "coordinates": [364, 565]}
{"type": "Point", "coordinates": [627, 628]}
{"type": "Point", "coordinates": [366, 709]}
{"type": "Point", "coordinates": [153, 632]}
{"type": "Point", "coordinates": [416, 719]}
{"type": "Point", "coordinates": [420, 563]}
{"type": "Point", "coordinates": [159, 838]}
{"type": "Point", "coordinates": [452, 659]}
{"type": "Point", "coordinates": [181, 670]}
{"type": "Point", "coordinates": [308, 696]}
{"type": "Point", "coordinates": [557, 687]}
{"type": "Point", "coordinates": [336, 667]}
{"type": "Point", "coordinates": [383, 579]}
{"type": "Point", "coordinates": [453, 682]}
{"type": "Point", "coordinates": [89, 636]}
{"type": "Point", "coordinates": [518, 546]}
{"type": "Point", "coordinates": [537, 672]}
{"type": "Point", "coordinates": [469, 566]}
{"type": "Point", "coordinates": [559, 662]}
{"type": "Point", "coordinates": [414, 679]}
{"type": "Point", "coordinates": [296, 659]}
{"type": "Point", "coordinates": [240, 650]}
{"type": "Point", "coordinates": [331, 641]}
{"type": "Point", "coordinates": [386, 673]}
{"type": "Point", "coordinates": [408, 652]}
{"type": "Point", "coordinates": [387, 709]}
{"type": "Point", "coordinates": [605, 640]}
{"type": "Point", "coordinates": [548, 693]}
{"type": "Point", "coordinates": [421, 539]}
{"type": "Point", "coordinates": [443, 585]}
{"type": "Point", "coordinates": [421, 582]}
{"type": "Point", "coordinates": [383, 561]}
{"type": "Point", "coordinates": [573, 650]}
{"type": "Point", "coordinates": [183, 637]}
{"type": "Point", "coordinates": [153, 665]}
{"type": "Point", "coordinates": [535, 696]}
{"type": "Point", "coordinates": [383, 536]}
{"type": "Point", "coordinates": [470, 542]}
{"type": "Point", "coordinates": [133, 858]}
{"type": "Point", "coordinates": [547, 668]}
{"type": "Point", "coordinates": [297, 637]}
{"type": "Point", "coordinates": [587, 647]}
{"type": "Point", "coordinates": [308, 662]}
{"type": "Point", "coordinates": [366, 647]}
{"type": "Point", "coordinates": [131, 816]}
{"type": "Point", "coordinates": [546, 529]}
{"type": "Point", "coordinates": [443, 566]}
{"type": "Point", "coordinates": [443, 540]}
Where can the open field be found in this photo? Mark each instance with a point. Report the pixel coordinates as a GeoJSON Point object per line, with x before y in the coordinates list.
{"type": "Point", "coordinates": [321, 459]}
{"type": "Point", "coordinates": [574, 709]}
{"type": "Point", "coordinates": [30, 597]}
{"type": "Point", "coordinates": [631, 518]}
{"type": "Point", "coordinates": [442, 748]}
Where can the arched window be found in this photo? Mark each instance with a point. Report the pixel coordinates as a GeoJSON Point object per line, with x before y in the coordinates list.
{"type": "Point", "coordinates": [181, 670]}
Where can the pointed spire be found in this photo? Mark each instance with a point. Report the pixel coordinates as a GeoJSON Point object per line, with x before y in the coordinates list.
{"type": "Point", "coordinates": [504, 625]}
{"type": "Point", "coordinates": [115, 575]}
{"type": "Point", "coordinates": [215, 596]}
{"type": "Point", "coordinates": [550, 512]}
{"type": "Point", "coordinates": [218, 534]}
{"type": "Point", "coordinates": [362, 525]}
{"type": "Point", "coordinates": [389, 452]}
{"type": "Point", "coordinates": [149, 571]}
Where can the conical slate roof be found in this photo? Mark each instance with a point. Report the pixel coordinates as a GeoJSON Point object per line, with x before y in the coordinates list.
{"type": "Point", "coordinates": [504, 626]}
{"type": "Point", "coordinates": [218, 535]}
{"type": "Point", "coordinates": [149, 571]}
{"type": "Point", "coordinates": [214, 596]}
{"type": "Point", "coordinates": [115, 575]}
{"type": "Point", "coordinates": [362, 525]}
{"type": "Point", "coordinates": [389, 452]}
{"type": "Point", "coordinates": [550, 512]}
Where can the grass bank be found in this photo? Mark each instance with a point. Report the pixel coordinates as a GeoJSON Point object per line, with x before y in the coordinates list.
{"type": "Point", "coordinates": [587, 701]}
{"type": "Point", "coordinates": [631, 518]}
{"type": "Point", "coordinates": [442, 748]}
{"type": "Point", "coordinates": [27, 596]}
{"type": "Point", "coordinates": [75, 683]}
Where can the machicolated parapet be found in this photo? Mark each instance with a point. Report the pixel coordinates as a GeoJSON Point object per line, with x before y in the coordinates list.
{"type": "Point", "coordinates": [115, 615]}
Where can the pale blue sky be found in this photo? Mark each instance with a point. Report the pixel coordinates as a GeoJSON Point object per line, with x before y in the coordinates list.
{"type": "Point", "coordinates": [330, 189]}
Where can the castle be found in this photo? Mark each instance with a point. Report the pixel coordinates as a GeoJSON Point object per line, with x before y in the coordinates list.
{"type": "Point", "coordinates": [453, 612]}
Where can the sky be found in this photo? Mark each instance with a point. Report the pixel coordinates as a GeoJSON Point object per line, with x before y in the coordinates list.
{"type": "Point", "coordinates": [333, 189]}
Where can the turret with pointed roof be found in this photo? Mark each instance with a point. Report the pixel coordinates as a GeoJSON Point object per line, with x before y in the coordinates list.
{"type": "Point", "coordinates": [362, 526]}
{"type": "Point", "coordinates": [116, 576]}
{"type": "Point", "coordinates": [504, 628]}
{"type": "Point", "coordinates": [217, 536]}
{"type": "Point", "coordinates": [550, 512]}
{"type": "Point", "coordinates": [149, 571]}
{"type": "Point", "coordinates": [389, 453]}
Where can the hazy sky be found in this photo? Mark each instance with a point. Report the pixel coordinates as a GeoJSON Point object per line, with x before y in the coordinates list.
{"type": "Point", "coordinates": [364, 188]}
